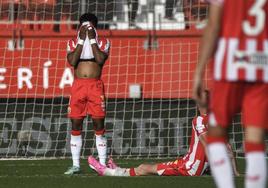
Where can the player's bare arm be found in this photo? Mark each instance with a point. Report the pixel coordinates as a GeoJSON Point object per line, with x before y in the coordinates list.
{"type": "Point", "coordinates": [202, 139]}
{"type": "Point", "coordinates": [100, 57]}
{"type": "Point", "coordinates": [74, 56]}
{"type": "Point", "coordinates": [208, 45]}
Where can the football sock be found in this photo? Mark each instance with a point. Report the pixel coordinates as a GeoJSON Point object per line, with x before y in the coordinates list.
{"type": "Point", "coordinates": [220, 165]}
{"type": "Point", "coordinates": [101, 144]}
{"type": "Point", "coordinates": [256, 168]}
{"type": "Point", "coordinates": [76, 144]}
{"type": "Point", "coordinates": [117, 172]}
{"type": "Point", "coordinates": [132, 172]}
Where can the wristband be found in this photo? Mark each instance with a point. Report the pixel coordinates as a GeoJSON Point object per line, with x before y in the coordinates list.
{"type": "Point", "coordinates": [92, 41]}
{"type": "Point", "coordinates": [80, 41]}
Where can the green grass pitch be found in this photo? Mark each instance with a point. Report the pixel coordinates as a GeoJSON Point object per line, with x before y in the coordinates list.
{"type": "Point", "coordinates": [49, 174]}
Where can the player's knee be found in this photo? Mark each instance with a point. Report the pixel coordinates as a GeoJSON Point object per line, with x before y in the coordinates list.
{"type": "Point", "coordinates": [254, 135]}
{"type": "Point", "coordinates": [77, 124]}
{"type": "Point", "coordinates": [98, 124]}
{"type": "Point", "coordinates": [217, 131]}
{"type": "Point", "coordinates": [217, 134]}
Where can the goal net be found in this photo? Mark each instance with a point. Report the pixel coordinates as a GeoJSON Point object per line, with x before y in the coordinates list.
{"type": "Point", "coordinates": [147, 78]}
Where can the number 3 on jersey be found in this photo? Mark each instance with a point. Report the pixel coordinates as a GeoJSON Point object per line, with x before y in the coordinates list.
{"type": "Point", "coordinates": [257, 11]}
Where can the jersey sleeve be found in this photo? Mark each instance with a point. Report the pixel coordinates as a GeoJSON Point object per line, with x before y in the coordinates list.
{"type": "Point", "coordinates": [200, 125]}
{"type": "Point", "coordinates": [71, 45]}
{"type": "Point", "coordinates": [216, 2]}
{"type": "Point", "coordinates": [104, 45]}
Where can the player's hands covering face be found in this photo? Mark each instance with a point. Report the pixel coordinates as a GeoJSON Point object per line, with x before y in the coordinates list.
{"type": "Point", "coordinates": [91, 33]}
{"type": "Point", "coordinates": [83, 32]}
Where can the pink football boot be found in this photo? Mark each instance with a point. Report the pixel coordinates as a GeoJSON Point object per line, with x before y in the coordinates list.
{"type": "Point", "coordinates": [95, 165]}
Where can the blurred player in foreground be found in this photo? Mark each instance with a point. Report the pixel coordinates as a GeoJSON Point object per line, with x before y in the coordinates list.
{"type": "Point", "coordinates": [236, 39]}
{"type": "Point", "coordinates": [87, 54]}
{"type": "Point", "coordinates": [194, 163]}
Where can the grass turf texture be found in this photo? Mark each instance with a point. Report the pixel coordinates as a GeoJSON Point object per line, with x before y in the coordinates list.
{"type": "Point", "coordinates": [49, 174]}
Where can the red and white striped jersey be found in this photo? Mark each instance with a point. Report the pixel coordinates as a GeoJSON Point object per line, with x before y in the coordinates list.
{"type": "Point", "coordinates": [195, 159]}
{"type": "Point", "coordinates": [242, 51]}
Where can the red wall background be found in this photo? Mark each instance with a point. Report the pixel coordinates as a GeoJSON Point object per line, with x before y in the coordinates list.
{"type": "Point", "coordinates": [165, 72]}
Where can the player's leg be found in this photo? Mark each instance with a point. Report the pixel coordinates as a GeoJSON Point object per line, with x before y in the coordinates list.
{"type": "Point", "coordinates": [141, 170]}
{"type": "Point", "coordinates": [76, 145]}
{"type": "Point", "coordinates": [161, 169]}
{"type": "Point", "coordinates": [221, 113]}
{"type": "Point", "coordinates": [76, 140]}
{"type": "Point", "coordinates": [103, 170]}
{"type": "Point", "coordinates": [145, 169]}
{"type": "Point", "coordinates": [218, 157]}
{"type": "Point", "coordinates": [96, 108]}
{"type": "Point", "coordinates": [256, 167]}
{"type": "Point", "coordinates": [255, 110]}
{"type": "Point", "coordinates": [101, 140]}
{"type": "Point", "coordinates": [76, 112]}
{"type": "Point", "coordinates": [171, 168]}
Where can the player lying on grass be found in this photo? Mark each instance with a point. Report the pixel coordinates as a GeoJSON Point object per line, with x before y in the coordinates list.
{"type": "Point", "coordinates": [194, 163]}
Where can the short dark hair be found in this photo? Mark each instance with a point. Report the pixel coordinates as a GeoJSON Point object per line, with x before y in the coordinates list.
{"type": "Point", "coordinates": [89, 17]}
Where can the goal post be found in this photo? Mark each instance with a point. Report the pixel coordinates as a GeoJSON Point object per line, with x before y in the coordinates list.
{"type": "Point", "coordinates": [148, 80]}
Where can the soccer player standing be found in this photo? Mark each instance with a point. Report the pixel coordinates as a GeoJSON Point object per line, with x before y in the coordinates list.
{"type": "Point", "coordinates": [236, 40]}
{"type": "Point", "coordinates": [87, 54]}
